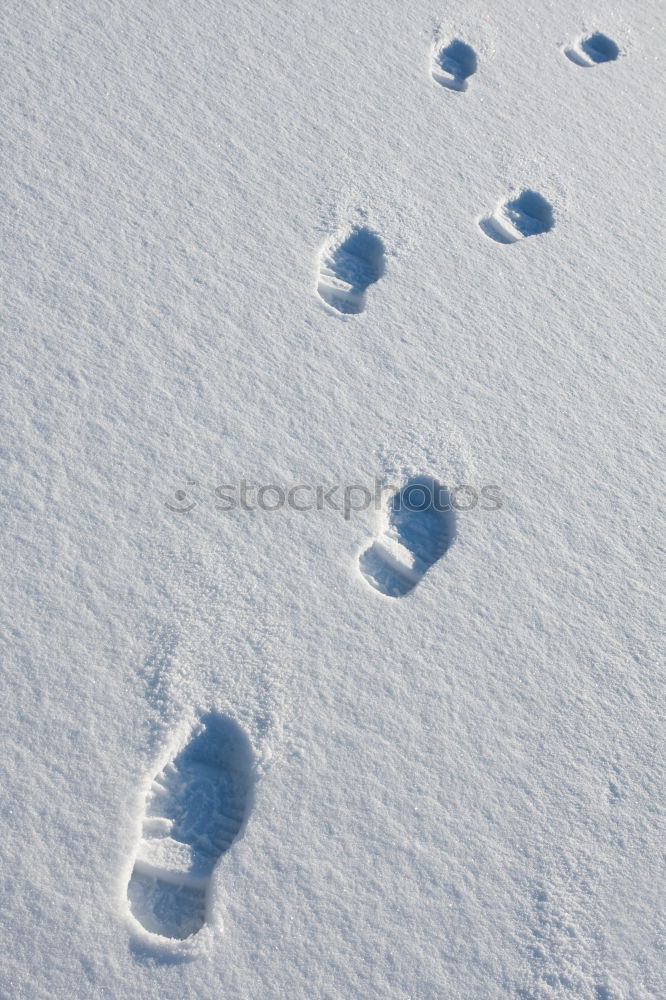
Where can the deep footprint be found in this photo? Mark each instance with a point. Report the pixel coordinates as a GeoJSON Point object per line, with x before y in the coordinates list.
{"type": "Point", "coordinates": [195, 809]}
{"type": "Point", "coordinates": [527, 215]}
{"type": "Point", "coordinates": [592, 50]}
{"type": "Point", "coordinates": [348, 268]}
{"type": "Point", "coordinates": [453, 64]}
{"type": "Point", "coordinates": [420, 529]}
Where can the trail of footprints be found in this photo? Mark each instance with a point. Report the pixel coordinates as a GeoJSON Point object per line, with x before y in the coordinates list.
{"type": "Point", "coordinates": [198, 803]}
{"type": "Point", "coordinates": [352, 261]}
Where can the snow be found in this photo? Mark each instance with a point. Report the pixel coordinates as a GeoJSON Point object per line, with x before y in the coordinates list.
{"type": "Point", "coordinates": [456, 793]}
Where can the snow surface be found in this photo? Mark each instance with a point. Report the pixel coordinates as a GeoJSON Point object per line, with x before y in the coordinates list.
{"type": "Point", "coordinates": [458, 793]}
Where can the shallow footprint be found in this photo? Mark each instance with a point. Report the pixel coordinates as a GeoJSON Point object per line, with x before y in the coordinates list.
{"type": "Point", "coordinates": [592, 50]}
{"type": "Point", "coordinates": [420, 529]}
{"type": "Point", "coordinates": [529, 214]}
{"type": "Point", "coordinates": [453, 64]}
{"type": "Point", "coordinates": [195, 809]}
{"type": "Point", "coordinates": [347, 268]}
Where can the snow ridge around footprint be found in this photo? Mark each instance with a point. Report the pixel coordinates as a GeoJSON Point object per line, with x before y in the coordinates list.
{"type": "Point", "coordinates": [194, 810]}
{"type": "Point", "coordinates": [529, 214]}
{"type": "Point", "coordinates": [420, 528]}
{"type": "Point", "coordinates": [348, 266]}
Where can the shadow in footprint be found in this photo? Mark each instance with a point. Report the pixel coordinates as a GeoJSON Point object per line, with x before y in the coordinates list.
{"type": "Point", "coordinates": [454, 64]}
{"type": "Point", "coordinates": [195, 809]}
{"type": "Point", "coordinates": [592, 50]}
{"type": "Point", "coordinates": [527, 215]}
{"type": "Point", "coordinates": [420, 529]}
{"type": "Point", "coordinates": [348, 268]}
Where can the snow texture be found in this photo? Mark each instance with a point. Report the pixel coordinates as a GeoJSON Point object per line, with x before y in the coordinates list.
{"type": "Point", "coordinates": [243, 241]}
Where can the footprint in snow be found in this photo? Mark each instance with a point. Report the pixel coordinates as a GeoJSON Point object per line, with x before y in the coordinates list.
{"type": "Point", "coordinates": [419, 529]}
{"type": "Point", "coordinates": [348, 266]}
{"type": "Point", "coordinates": [529, 214]}
{"type": "Point", "coordinates": [453, 64]}
{"type": "Point", "coordinates": [592, 50]}
{"type": "Point", "coordinates": [194, 811]}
